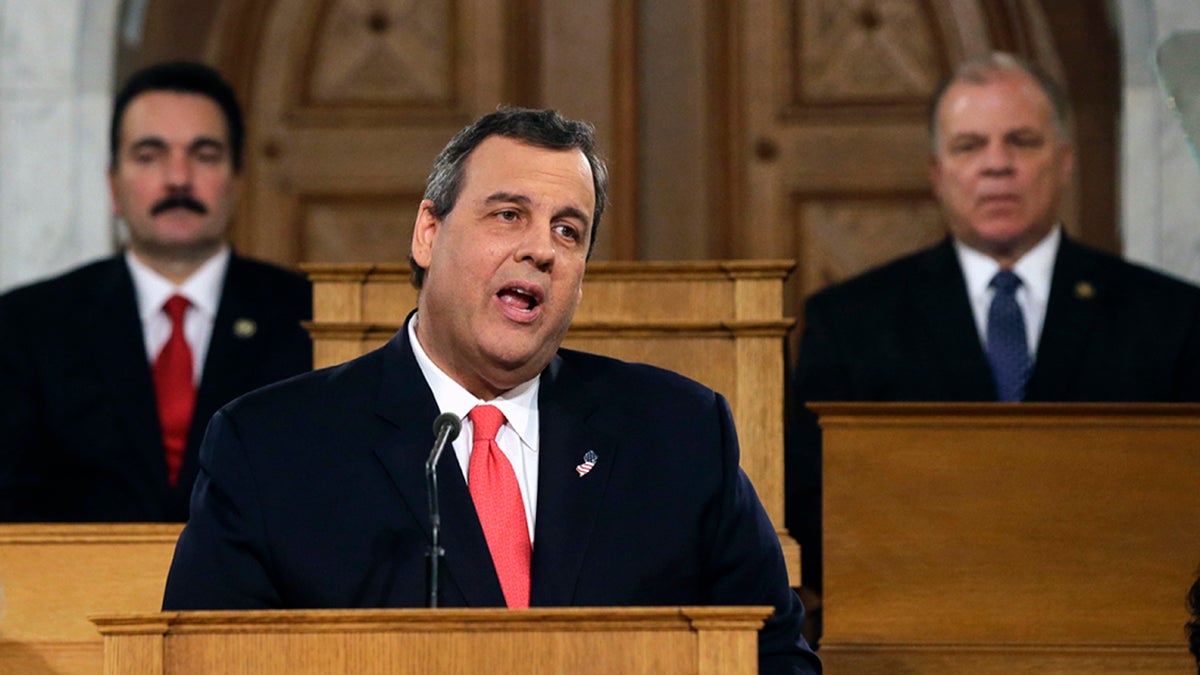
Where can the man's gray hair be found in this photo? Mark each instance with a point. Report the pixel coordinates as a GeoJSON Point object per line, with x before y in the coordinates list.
{"type": "Point", "coordinates": [981, 70]}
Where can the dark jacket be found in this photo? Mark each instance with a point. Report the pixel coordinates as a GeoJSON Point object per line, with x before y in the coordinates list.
{"type": "Point", "coordinates": [312, 494]}
{"type": "Point", "coordinates": [78, 422]}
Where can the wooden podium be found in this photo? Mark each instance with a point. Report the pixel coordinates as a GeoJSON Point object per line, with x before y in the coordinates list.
{"type": "Point", "coordinates": [720, 323]}
{"type": "Point", "coordinates": [701, 640]}
{"type": "Point", "coordinates": [1002, 538]}
{"type": "Point", "coordinates": [55, 575]}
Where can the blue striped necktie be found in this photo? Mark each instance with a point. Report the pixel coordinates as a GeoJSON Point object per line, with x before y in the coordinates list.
{"type": "Point", "coordinates": [1007, 348]}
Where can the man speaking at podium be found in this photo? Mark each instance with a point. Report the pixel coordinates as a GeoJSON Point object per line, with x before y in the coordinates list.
{"type": "Point", "coordinates": [577, 479]}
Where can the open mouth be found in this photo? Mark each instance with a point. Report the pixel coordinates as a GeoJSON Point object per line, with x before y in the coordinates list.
{"type": "Point", "coordinates": [519, 299]}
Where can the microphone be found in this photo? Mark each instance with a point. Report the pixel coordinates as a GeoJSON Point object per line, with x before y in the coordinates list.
{"type": "Point", "coordinates": [445, 429]}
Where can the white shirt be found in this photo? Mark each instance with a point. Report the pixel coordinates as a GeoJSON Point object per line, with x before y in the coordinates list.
{"type": "Point", "coordinates": [518, 438]}
{"type": "Point", "coordinates": [1035, 268]}
{"type": "Point", "coordinates": [203, 291]}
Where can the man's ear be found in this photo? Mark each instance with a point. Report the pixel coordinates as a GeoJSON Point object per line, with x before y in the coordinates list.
{"type": "Point", "coordinates": [1067, 163]}
{"type": "Point", "coordinates": [424, 232]}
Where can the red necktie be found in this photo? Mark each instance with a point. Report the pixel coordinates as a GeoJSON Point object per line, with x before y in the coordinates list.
{"type": "Point", "coordinates": [499, 505]}
{"type": "Point", "coordinates": [175, 388]}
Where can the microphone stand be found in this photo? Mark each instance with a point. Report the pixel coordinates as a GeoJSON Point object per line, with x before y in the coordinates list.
{"type": "Point", "coordinates": [445, 429]}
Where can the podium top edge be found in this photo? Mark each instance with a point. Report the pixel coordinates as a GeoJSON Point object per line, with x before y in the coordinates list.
{"type": "Point", "coordinates": [835, 412]}
{"type": "Point", "coordinates": [374, 619]}
{"type": "Point", "coordinates": [88, 533]}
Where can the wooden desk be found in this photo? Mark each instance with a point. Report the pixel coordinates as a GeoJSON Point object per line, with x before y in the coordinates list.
{"type": "Point", "coordinates": [54, 576]}
{"type": "Point", "coordinates": [1000, 538]}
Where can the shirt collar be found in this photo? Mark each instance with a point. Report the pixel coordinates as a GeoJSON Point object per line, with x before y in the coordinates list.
{"type": "Point", "coordinates": [1035, 268]}
{"type": "Point", "coordinates": [518, 404]}
{"type": "Point", "coordinates": [202, 288]}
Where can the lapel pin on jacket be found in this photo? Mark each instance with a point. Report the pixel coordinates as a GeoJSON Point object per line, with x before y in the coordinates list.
{"type": "Point", "coordinates": [589, 460]}
{"type": "Point", "coordinates": [245, 328]}
{"type": "Point", "coordinates": [1084, 290]}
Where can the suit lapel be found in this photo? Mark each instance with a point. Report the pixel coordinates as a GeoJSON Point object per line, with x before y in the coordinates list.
{"type": "Point", "coordinates": [405, 401]}
{"type": "Point", "coordinates": [228, 367]}
{"type": "Point", "coordinates": [568, 503]}
{"type": "Point", "coordinates": [123, 366]}
{"type": "Point", "coordinates": [1076, 297]}
{"type": "Point", "coordinates": [236, 354]}
{"type": "Point", "coordinates": [948, 324]}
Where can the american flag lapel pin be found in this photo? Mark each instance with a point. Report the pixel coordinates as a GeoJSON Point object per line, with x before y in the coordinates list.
{"type": "Point", "coordinates": [589, 461]}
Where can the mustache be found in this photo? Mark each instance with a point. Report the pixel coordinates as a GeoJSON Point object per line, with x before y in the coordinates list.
{"type": "Point", "coordinates": [179, 202]}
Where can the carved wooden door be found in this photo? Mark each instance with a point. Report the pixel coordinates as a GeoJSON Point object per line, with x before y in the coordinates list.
{"type": "Point", "coordinates": [349, 101]}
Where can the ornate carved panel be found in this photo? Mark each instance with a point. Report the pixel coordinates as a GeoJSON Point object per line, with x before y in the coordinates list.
{"type": "Point", "coordinates": [863, 52]}
{"type": "Point", "coordinates": [391, 52]}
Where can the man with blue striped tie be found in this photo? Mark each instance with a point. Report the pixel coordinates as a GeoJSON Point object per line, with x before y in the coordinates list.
{"type": "Point", "coordinates": [1006, 308]}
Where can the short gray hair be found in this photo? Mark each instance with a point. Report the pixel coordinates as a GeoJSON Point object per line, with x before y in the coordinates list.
{"type": "Point", "coordinates": [981, 70]}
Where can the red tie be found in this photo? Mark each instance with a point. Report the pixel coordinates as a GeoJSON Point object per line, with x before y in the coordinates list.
{"type": "Point", "coordinates": [498, 503]}
{"type": "Point", "coordinates": [175, 388]}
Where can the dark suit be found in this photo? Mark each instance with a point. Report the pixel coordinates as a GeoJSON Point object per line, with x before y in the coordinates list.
{"type": "Point", "coordinates": [312, 494]}
{"type": "Point", "coordinates": [78, 420]}
{"type": "Point", "coordinates": [905, 332]}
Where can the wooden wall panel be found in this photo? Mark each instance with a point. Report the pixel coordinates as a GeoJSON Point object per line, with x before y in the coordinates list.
{"type": "Point", "coordinates": [349, 101]}
{"type": "Point", "coordinates": [839, 236]}
{"type": "Point", "coordinates": [334, 229]}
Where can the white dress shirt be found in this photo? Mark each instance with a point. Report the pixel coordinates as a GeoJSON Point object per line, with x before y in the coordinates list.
{"type": "Point", "coordinates": [1035, 268]}
{"type": "Point", "coordinates": [203, 291]}
{"type": "Point", "coordinates": [518, 438]}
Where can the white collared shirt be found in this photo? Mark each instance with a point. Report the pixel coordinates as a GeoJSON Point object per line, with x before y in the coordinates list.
{"type": "Point", "coordinates": [518, 438]}
{"type": "Point", "coordinates": [1036, 270]}
{"type": "Point", "coordinates": [203, 291]}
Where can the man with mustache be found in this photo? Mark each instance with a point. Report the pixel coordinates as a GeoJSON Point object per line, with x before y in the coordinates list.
{"type": "Point", "coordinates": [577, 480]}
{"type": "Point", "coordinates": [110, 372]}
{"type": "Point", "coordinates": [1007, 308]}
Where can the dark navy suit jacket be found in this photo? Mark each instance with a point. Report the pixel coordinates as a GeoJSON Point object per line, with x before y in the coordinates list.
{"type": "Point", "coordinates": [1114, 331]}
{"type": "Point", "coordinates": [312, 494]}
{"type": "Point", "coordinates": [79, 431]}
